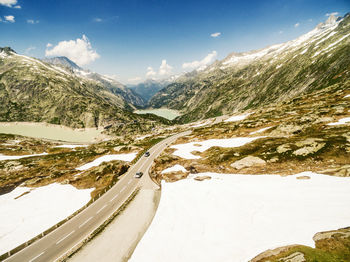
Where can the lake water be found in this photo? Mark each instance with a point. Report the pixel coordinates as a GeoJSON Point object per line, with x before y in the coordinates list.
{"type": "Point", "coordinates": [52, 132]}
{"type": "Point", "coordinates": [162, 112]}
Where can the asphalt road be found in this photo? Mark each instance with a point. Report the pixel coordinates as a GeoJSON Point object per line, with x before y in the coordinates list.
{"type": "Point", "coordinates": [57, 243]}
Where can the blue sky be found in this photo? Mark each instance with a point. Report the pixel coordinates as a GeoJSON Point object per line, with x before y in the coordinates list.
{"type": "Point", "coordinates": [131, 38]}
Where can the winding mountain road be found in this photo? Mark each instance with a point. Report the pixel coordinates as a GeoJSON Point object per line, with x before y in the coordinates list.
{"type": "Point", "coordinates": [57, 243]}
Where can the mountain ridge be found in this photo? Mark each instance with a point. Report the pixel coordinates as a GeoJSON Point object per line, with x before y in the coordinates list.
{"type": "Point", "coordinates": [242, 81]}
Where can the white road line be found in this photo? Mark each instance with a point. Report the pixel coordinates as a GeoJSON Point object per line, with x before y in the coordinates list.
{"type": "Point", "coordinates": [114, 197]}
{"type": "Point", "coordinates": [123, 189]}
{"type": "Point", "coordinates": [64, 237]}
{"type": "Point", "coordinates": [36, 256]}
{"type": "Point", "coordinates": [85, 222]}
{"type": "Point", "coordinates": [101, 209]}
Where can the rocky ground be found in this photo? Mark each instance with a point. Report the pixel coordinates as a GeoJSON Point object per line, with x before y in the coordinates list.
{"type": "Point", "coordinates": [295, 137]}
{"type": "Point", "coordinates": [60, 164]}
{"type": "Point", "coordinates": [330, 246]}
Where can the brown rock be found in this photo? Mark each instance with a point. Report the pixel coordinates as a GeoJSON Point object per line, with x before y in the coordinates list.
{"type": "Point", "coordinates": [201, 178]}
{"type": "Point", "coordinates": [248, 162]}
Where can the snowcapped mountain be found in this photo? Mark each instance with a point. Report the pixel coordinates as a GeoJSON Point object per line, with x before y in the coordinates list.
{"type": "Point", "coordinates": [315, 60]}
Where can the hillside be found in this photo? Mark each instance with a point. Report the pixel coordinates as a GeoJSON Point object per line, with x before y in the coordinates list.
{"type": "Point", "coordinates": [117, 88]}
{"type": "Point", "coordinates": [253, 79]}
{"type": "Point", "coordinates": [31, 90]}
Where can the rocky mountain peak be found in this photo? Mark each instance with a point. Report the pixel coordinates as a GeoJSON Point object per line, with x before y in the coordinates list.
{"type": "Point", "coordinates": [331, 19]}
{"type": "Point", "coordinates": [8, 50]}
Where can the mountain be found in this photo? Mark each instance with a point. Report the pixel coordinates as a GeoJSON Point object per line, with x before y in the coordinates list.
{"type": "Point", "coordinates": [32, 90]}
{"type": "Point", "coordinates": [114, 86]}
{"type": "Point", "coordinates": [62, 61]}
{"type": "Point", "coordinates": [258, 78]}
{"type": "Point", "coordinates": [150, 87]}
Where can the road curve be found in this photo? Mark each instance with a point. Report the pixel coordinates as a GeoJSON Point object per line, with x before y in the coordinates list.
{"type": "Point", "coordinates": [57, 243]}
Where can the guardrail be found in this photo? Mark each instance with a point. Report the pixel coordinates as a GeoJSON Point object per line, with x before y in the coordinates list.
{"type": "Point", "coordinates": [92, 200]}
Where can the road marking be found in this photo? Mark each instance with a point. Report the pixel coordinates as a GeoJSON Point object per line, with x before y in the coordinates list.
{"type": "Point", "coordinates": [101, 209]}
{"type": "Point", "coordinates": [114, 197]}
{"type": "Point", "coordinates": [123, 189]}
{"type": "Point", "coordinates": [64, 237]}
{"type": "Point", "coordinates": [36, 256]}
{"type": "Point", "coordinates": [129, 181]}
{"type": "Point", "coordinates": [85, 222]}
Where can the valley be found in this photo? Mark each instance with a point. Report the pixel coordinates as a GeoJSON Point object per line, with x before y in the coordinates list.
{"type": "Point", "coordinates": [244, 159]}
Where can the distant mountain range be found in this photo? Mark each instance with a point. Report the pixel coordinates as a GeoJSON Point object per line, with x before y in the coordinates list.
{"type": "Point", "coordinates": [58, 91]}
{"type": "Point", "coordinates": [254, 79]}
{"type": "Point", "coordinates": [150, 87]}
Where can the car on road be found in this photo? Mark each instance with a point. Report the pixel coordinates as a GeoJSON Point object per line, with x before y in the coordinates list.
{"type": "Point", "coordinates": [147, 154]}
{"type": "Point", "coordinates": [138, 174]}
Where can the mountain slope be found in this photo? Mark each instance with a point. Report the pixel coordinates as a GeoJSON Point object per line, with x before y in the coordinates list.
{"type": "Point", "coordinates": [31, 90]}
{"type": "Point", "coordinates": [114, 86]}
{"type": "Point", "coordinates": [242, 81]}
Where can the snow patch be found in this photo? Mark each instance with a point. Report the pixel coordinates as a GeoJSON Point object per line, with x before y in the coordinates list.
{"type": "Point", "coordinates": [185, 150]}
{"type": "Point", "coordinates": [260, 130]}
{"type": "Point", "coordinates": [123, 157]}
{"type": "Point", "coordinates": [5, 157]}
{"type": "Point", "coordinates": [71, 146]}
{"type": "Point", "coordinates": [236, 217]}
{"type": "Point", "coordinates": [30, 214]}
{"type": "Point", "coordinates": [237, 118]}
{"type": "Point", "coordinates": [341, 121]}
{"type": "Point", "coordinates": [174, 169]}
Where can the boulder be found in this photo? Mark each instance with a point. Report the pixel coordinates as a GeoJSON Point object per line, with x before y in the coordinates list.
{"type": "Point", "coordinates": [303, 177]}
{"type": "Point", "coordinates": [308, 146]}
{"type": "Point", "coordinates": [201, 178]}
{"type": "Point", "coordinates": [283, 148]}
{"type": "Point", "coordinates": [248, 162]}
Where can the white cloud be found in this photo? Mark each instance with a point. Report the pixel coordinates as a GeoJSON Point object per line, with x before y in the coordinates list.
{"type": "Point", "coordinates": [200, 65]}
{"type": "Point", "coordinates": [134, 80]}
{"type": "Point", "coordinates": [97, 19]}
{"type": "Point", "coordinates": [164, 68]}
{"type": "Point", "coordinates": [80, 51]}
{"type": "Point", "coordinates": [9, 3]}
{"type": "Point", "coordinates": [217, 34]}
{"type": "Point", "coordinates": [29, 49]}
{"type": "Point", "coordinates": [10, 18]}
{"type": "Point", "coordinates": [310, 20]}
{"type": "Point", "coordinates": [280, 32]}
{"type": "Point", "coordinates": [296, 25]}
{"type": "Point", "coordinates": [150, 72]}
{"type": "Point", "coordinates": [333, 13]}
{"type": "Point", "coordinates": [33, 22]}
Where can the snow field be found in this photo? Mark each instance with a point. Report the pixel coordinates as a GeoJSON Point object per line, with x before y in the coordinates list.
{"type": "Point", "coordinates": [29, 215]}
{"type": "Point", "coordinates": [236, 217]}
